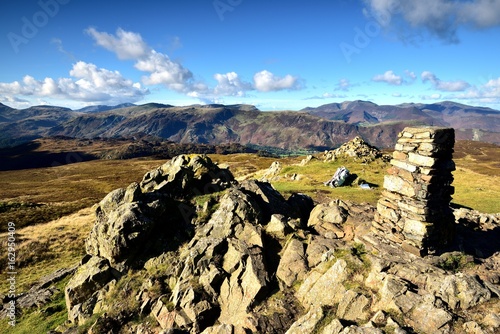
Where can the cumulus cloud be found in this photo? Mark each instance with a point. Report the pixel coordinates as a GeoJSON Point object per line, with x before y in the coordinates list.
{"type": "Point", "coordinates": [265, 81]}
{"type": "Point", "coordinates": [172, 74]}
{"type": "Point", "coordinates": [486, 93]}
{"type": "Point", "coordinates": [389, 77]}
{"type": "Point", "coordinates": [445, 86]}
{"type": "Point", "coordinates": [126, 44]}
{"type": "Point", "coordinates": [161, 69]}
{"type": "Point", "coordinates": [87, 83]}
{"type": "Point", "coordinates": [441, 18]}
{"type": "Point", "coordinates": [230, 84]}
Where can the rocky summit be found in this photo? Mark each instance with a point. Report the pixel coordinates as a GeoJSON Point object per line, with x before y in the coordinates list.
{"type": "Point", "coordinates": [191, 250]}
{"type": "Point", "coordinates": [245, 259]}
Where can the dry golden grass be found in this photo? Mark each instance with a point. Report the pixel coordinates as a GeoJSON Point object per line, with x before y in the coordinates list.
{"type": "Point", "coordinates": [44, 248]}
{"type": "Point", "coordinates": [65, 189]}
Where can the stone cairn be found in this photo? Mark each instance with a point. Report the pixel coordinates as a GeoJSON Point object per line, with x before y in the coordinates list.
{"type": "Point", "coordinates": [414, 208]}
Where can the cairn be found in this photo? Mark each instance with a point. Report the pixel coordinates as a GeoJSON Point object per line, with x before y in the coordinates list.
{"type": "Point", "coordinates": [414, 209]}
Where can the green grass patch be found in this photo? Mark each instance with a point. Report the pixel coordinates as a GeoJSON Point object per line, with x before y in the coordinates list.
{"type": "Point", "coordinates": [478, 191]}
{"type": "Point", "coordinates": [313, 175]}
{"type": "Point", "coordinates": [41, 320]}
{"type": "Point", "coordinates": [455, 262]}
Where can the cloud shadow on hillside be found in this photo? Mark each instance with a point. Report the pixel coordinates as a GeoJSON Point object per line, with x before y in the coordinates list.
{"type": "Point", "coordinates": [25, 156]}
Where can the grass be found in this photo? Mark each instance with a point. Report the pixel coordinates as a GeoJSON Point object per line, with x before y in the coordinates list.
{"type": "Point", "coordinates": [35, 196]}
{"type": "Point", "coordinates": [41, 320]}
{"type": "Point", "coordinates": [315, 173]}
{"type": "Point", "coordinates": [44, 248]}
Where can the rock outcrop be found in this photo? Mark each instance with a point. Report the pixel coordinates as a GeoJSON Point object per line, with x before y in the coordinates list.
{"type": "Point", "coordinates": [240, 258]}
{"type": "Point", "coordinates": [356, 149]}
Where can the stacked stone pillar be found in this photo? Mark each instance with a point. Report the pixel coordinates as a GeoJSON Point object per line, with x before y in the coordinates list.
{"type": "Point", "coordinates": [414, 208]}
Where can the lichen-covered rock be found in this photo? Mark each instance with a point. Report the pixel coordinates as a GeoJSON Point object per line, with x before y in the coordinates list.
{"type": "Point", "coordinates": [327, 220]}
{"type": "Point", "coordinates": [463, 291]}
{"type": "Point", "coordinates": [308, 322]}
{"type": "Point", "coordinates": [293, 264]}
{"type": "Point", "coordinates": [88, 279]}
{"type": "Point", "coordinates": [312, 290]}
{"type": "Point", "coordinates": [244, 287]}
{"type": "Point", "coordinates": [118, 235]}
{"type": "Point", "coordinates": [187, 175]}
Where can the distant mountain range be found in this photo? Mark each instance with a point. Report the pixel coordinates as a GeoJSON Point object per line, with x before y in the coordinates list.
{"type": "Point", "coordinates": [318, 128]}
{"type": "Point", "coordinates": [456, 115]}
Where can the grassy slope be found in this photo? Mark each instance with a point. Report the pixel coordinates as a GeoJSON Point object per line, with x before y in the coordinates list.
{"type": "Point", "coordinates": [47, 246]}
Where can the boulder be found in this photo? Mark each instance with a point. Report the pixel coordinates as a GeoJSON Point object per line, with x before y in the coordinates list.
{"type": "Point", "coordinates": [278, 226]}
{"type": "Point", "coordinates": [293, 263]}
{"type": "Point", "coordinates": [88, 279]}
{"type": "Point", "coordinates": [186, 175]}
{"type": "Point", "coordinates": [353, 307]}
{"type": "Point", "coordinates": [312, 290]}
{"type": "Point", "coordinates": [272, 172]}
{"type": "Point", "coordinates": [428, 318]}
{"type": "Point", "coordinates": [236, 207]}
{"type": "Point", "coordinates": [327, 220]}
{"type": "Point", "coordinates": [463, 291]}
{"type": "Point", "coordinates": [269, 199]}
{"type": "Point", "coordinates": [118, 234]}
{"type": "Point", "coordinates": [245, 286]}
{"type": "Point", "coordinates": [308, 322]}
{"type": "Point", "coordinates": [302, 205]}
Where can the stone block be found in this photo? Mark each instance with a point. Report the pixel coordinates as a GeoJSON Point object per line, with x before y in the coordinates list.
{"type": "Point", "coordinates": [421, 160]}
{"type": "Point", "coordinates": [416, 227]}
{"type": "Point", "coordinates": [404, 165]}
{"type": "Point", "coordinates": [399, 185]}
{"type": "Point", "coordinates": [398, 155]}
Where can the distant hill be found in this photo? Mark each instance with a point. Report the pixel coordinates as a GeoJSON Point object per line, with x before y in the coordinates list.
{"type": "Point", "coordinates": [101, 108]}
{"type": "Point", "coordinates": [452, 114]}
{"type": "Point", "coordinates": [319, 128]}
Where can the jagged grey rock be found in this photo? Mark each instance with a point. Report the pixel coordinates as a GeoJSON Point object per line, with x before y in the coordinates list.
{"type": "Point", "coordinates": [308, 322]}
{"type": "Point", "coordinates": [312, 290]}
{"type": "Point", "coordinates": [88, 279]}
{"type": "Point", "coordinates": [327, 220]}
{"type": "Point", "coordinates": [293, 264]}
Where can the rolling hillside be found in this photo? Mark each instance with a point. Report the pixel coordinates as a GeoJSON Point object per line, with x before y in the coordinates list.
{"type": "Point", "coordinates": [313, 128]}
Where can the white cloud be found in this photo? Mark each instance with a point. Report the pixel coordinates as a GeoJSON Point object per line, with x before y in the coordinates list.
{"type": "Point", "coordinates": [442, 18]}
{"type": "Point", "coordinates": [487, 93]}
{"type": "Point", "coordinates": [445, 86]}
{"type": "Point", "coordinates": [389, 77]}
{"type": "Point", "coordinates": [265, 81]}
{"type": "Point", "coordinates": [88, 83]}
{"type": "Point", "coordinates": [126, 44]}
{"type": "Point", "coordinates": [163, 70]}
{"type": "Point", "coordinates": [230, 84]}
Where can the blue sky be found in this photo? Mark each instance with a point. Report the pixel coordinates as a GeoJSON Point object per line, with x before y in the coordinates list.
{"type": "Point", "coordinates": [273, 54]}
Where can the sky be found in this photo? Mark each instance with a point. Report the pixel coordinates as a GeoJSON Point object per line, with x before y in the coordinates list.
{"type": "Point", "coordinates": [276, 55]}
